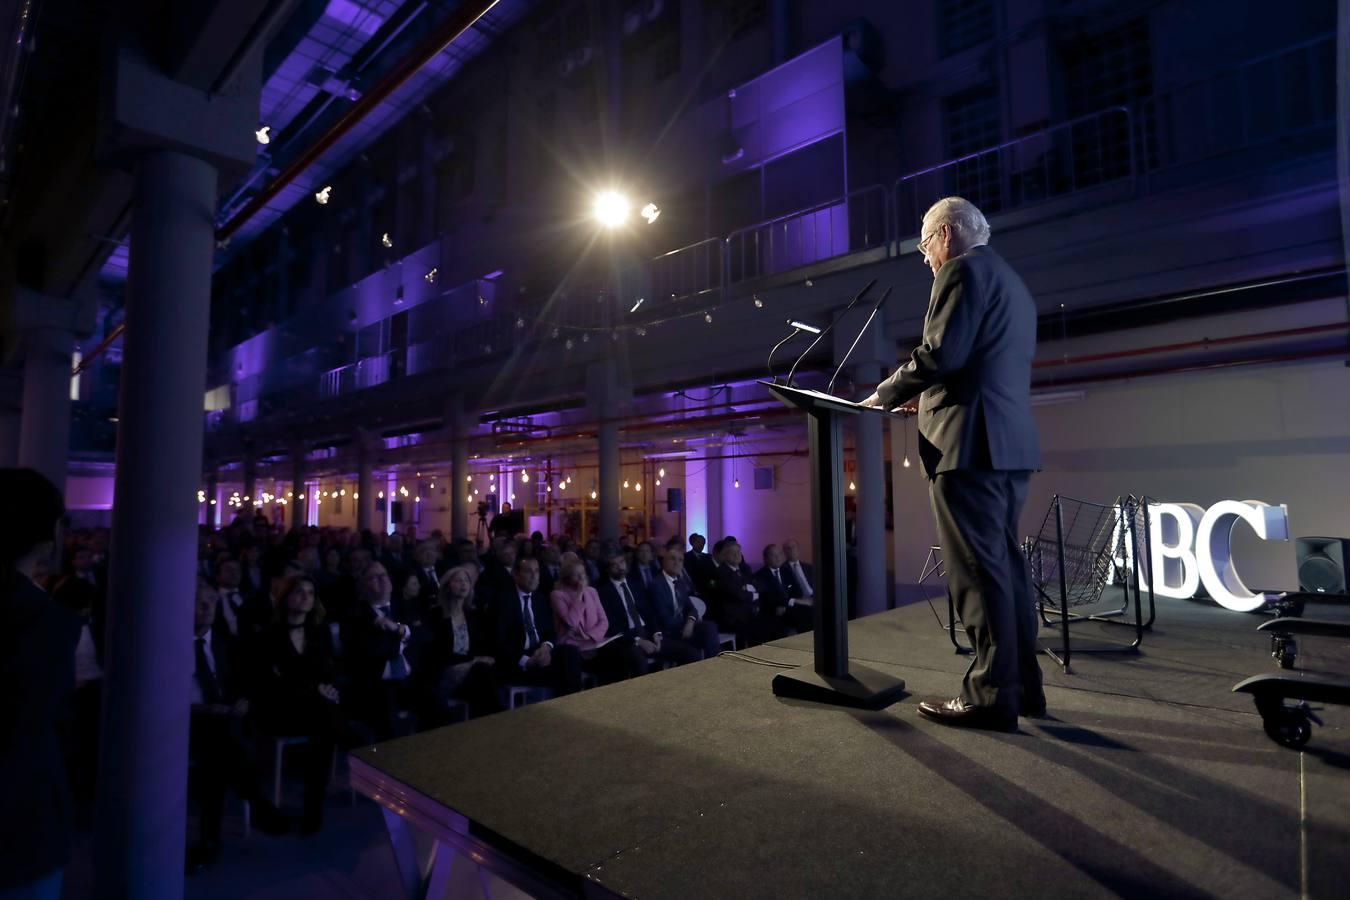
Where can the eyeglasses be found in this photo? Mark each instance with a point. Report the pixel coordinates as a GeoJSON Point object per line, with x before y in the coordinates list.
{"type": "Point", "coordinates": [924, 242]}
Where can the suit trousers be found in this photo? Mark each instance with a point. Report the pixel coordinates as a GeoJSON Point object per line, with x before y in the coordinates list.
{"type": "Point", "coordinates": [976, 512]}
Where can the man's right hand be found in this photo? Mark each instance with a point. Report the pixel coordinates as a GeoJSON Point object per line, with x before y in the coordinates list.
{"type": "Point", "coordinates": [688, 629]}
{"type": "Point", "coordinates": [873, 400]}
{"type": "Point", "coordinates": [541, 658]}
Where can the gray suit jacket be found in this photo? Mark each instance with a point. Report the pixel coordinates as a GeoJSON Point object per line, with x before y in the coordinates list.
{"type": "Point", "coordinates": [973, 369]}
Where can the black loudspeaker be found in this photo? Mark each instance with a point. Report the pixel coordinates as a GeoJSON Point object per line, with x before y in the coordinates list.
{"type": "Point", "coordinates": [674, 499]}
{"type": "Point", "coordinates": [1321, 563]}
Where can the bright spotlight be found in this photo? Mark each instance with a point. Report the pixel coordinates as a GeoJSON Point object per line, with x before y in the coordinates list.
{"type": "Point", "coordinates": [323, 195]}
{"type": "Point", "coordinates": [611, 209]}
{"type": "Point", "coordinates": [264, 134]}
{"type": "Point", "coordinates": [650, 212]}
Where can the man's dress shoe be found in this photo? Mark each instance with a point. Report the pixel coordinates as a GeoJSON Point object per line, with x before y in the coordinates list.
{"type": "Point", "coordinates": [959, 712]}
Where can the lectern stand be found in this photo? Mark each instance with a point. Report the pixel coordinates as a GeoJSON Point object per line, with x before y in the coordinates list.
{"type": "Point", "coordinates": [831, 679]}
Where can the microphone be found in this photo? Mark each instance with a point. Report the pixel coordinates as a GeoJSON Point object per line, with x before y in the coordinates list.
{"type": "Point", "coordinates": [797, 328]}
{"type": "Point", "coordinates": [861, 331]}
{"type": "Point", "coordinates": [826, 330]}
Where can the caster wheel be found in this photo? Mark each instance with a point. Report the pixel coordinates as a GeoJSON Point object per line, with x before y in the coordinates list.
{"type": "Point", "coordinates": [1286, 653]}
{"type": "Point", "coordinates": [1288, 727]}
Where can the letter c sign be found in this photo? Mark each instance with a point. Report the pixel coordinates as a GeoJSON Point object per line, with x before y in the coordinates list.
{"type": "Point", "coordinates": [1193, 547]}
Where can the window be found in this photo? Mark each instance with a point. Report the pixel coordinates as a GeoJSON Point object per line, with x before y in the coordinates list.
{"type": "Point", "coordinates": [970, 124]}
{"type": "Point", "coordinates": [1114, 68]}
{"type": "Point", "coordinates": [963, 24]}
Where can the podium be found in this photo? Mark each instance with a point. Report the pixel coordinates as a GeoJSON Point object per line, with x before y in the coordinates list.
{"type": "Point", "coordinates": [831, 679]}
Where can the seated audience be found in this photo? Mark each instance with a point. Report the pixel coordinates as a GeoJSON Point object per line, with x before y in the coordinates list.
{"type": "Point", "coordinates": [780, 593]}
{"type": "Point", "coordinates": [217, 745]}
{"type": "Point", "coordinates": [527, 650]}
{"type": "Point", "coordinates": [644, 569]}
{"type": "Point", "coordinates": [455, 661]}
{"type": "Point", "coordinates": [375, 642]}
{"type": "Point", "coordinates": [428, 578]}
{"type": "Point", "coordinates": [240, 616]}
{"type": "Point", "coordinates": [295, 688]}
{"type": "Point", "coordinates": [735, 603]}
{"type": "Point", "coordinates": [629, 619]}
{"type": "Point", "coordinates": [802, 572]}
{"type": "Point", "coordinates": [675, 615]}
{"type": "Point", "coordinates": [701, 567]}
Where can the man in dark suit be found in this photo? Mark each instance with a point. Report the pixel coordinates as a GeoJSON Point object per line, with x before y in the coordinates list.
{"type": "Point", "coordinates": [631, 622]}
{"type": "Point", "coordinates": [779, 592]}
{"type": "Point", "coordinates": [978, 445]}
{"type": "Point", "coordinates": [700, 567]}
{"type": "Point", "coordinates": [217, 744]}
{"type": "Point", "coordinates": [377, 643]}
{"type": "Point", "coordinates": [526, 648]}
{"type": "Point", "coordinates": [676, 617]}
{"type": "Point", "coordinates": [802, 572]}
{"type": "Point", "coordinates": [428, 574]}
{"type": "Point", "coordinates": [240, 616]}
{"type": "Point", "coordinates": [735, 602]}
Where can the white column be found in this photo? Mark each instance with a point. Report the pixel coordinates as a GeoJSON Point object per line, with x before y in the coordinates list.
{"type": "Point", "coordinates": [44, 431]}
{"type": "Point", "coordinates": [148, 662]}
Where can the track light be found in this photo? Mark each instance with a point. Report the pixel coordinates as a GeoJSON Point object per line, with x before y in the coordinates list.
{"type": "Point", "coordinates": [324, 195]}
{"type": "Point", "coordinates": [264, 134]}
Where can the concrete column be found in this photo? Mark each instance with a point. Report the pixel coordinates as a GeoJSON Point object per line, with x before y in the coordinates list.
{"type": "Point", "coordinates": [610, 479]}
{"type": "Point", "coordinates": [873, 595]}
{"type": "Point", "coordinates": [250, 469]}
{"type": "Point", "coordinates": [365, 483]}
{"type": "Point", "coordinates": [298, 506]}
{"type": "Point", "coordinates": [457, 427]}
{"type": "Point", "coordinates": [11, 393]}
{"type": "Point", "coordinates": [148, 662]}
{"type": "Point", "coordinates": [212, 492]}
{"type": "Point", "coordinates": [44, 430]}
{"type": "Point", "coordinates": [717, 523]}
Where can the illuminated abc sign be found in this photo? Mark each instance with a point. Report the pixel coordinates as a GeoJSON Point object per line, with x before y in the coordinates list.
{"type": "Point", "coordinates": [1193, 546]}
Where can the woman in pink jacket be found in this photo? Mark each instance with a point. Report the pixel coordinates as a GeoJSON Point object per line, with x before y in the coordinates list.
{"type": "Point", "coordinates": [578, 616]}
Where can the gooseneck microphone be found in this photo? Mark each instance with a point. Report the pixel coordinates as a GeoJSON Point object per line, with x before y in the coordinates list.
{"type": "Point", "coordinates": [826, 330]}
{"type": "Point", "coordinates": [861, 331]}
{"type": "Point", "coordinates": [797, 328]}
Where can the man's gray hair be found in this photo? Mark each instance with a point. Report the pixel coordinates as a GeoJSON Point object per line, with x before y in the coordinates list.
{"type": "Point", "coordinates": [963, 217]}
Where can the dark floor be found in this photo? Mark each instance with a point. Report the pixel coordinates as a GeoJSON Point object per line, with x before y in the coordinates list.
{"type": "Point", "coordinates": [1151, 778]}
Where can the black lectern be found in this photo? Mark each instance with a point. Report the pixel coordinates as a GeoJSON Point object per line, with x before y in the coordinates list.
{"type": "Point", "coordinates": [831, 680]}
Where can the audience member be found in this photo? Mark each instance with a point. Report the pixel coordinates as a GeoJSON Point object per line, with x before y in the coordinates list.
{"type": "Point", "coordinates": [780, 593]}
{"type": "Point", "coordinates": [456, 661]}
{"type": "Point", "coordinates": [635, 638]}
{"type": "Point", "coordinates": [295, 688]}
{"type": "Point", "coordinates": [37, 645]}
{"type": "Point", "coordinates": [802, 572]}
{"type": "Point", "coordinates": [676, 616]}
{"type": "Point", "coordinates": [735, 603]}
{"type": "Point", "coordinates": [217, 747]}
{"type": "Point", "coordinates": [376, 643]}
{"type": "Point", "coordinates": [526, 641]}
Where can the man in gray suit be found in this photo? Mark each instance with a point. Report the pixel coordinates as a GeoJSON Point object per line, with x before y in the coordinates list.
{"type": "Point", "coordinates": [978, 445]}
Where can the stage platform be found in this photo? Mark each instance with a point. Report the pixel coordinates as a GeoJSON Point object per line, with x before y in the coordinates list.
{"type": "Point", "coordinates": [1150, 779]}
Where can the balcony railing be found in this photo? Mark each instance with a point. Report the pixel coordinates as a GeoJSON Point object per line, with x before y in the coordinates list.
{"type": "Point", "coordinates": [1087, 152]}
{"type": "Point", "coordinates": [857, 221]}
{"type": "Point", "coordinates": [1286, 96]}
{"type": "Point", "coordinates": [693, 271]}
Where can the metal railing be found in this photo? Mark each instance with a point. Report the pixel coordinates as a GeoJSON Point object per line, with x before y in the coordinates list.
{"type": "Point", "coordinates": [857, 221]}
{"type": "Point", "coordinates": [1086, 152]}
{"type": "Point", "coordinates": [1283, 96]}
{"type": "Point", "coordinates": [693, 271]}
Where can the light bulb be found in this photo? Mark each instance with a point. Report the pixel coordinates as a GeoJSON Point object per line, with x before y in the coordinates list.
{"type": "Point", "coordinates": [380, 495]}
{"type": "Point", "coordinates": [213, 502]}
{"type": "Point", "coordinates": [906, 462]}
{"type": "Point", "coordinates": [417, 499]}
{"type": "Point", "coordinates": [264, 134]}
{"type": "Point", "coordinates": [386, 240]}
{"type": "Point", "coordinates": [524, 476]}
{"type": "Point", "coordinates": [661, 472]}
{"type": "Point", "coordinates": [593, 495]}
{"type": "Point", "coordinates": [625, 483]}
{"type": "Point", "coordinates": [736, 483]}
{"type": "Point", "coordinates": [658, 482]}
{"type": "Point", "coordinates": [852, 486]}
{"type": "Point", "coordinates": [324, 195]}
{"type": "Point", "coordinates": [638, 486]}
{"type": "Point", "coordinates": [468, 478]}
{"type": "Point", "coordinates": [513, 498]}
{"type": "Point", "coordinates": [356, 495]}
{"type": "Point", "coordinates": [707, 317]}
{"type": "Point", "coordinates": [302, 496]}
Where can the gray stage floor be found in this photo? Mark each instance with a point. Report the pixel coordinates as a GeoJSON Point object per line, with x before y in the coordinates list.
{"type": "Point", "coordinates": [1151, 778]}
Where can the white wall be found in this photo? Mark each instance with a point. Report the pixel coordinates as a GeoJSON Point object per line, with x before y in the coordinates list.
{"type": "Point", "coordinates": [1280, 434]}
